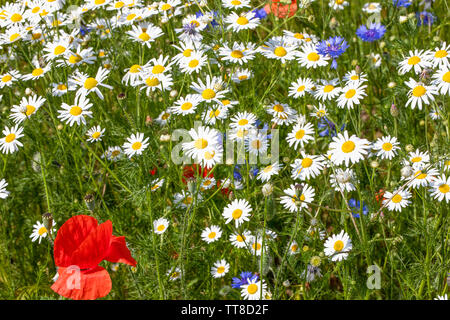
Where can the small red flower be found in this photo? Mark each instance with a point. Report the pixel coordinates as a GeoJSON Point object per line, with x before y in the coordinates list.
{"type": "Point", "coordinates": [153, 171]}
{"type": "Point", "coordinates": [80, 245]}
{"type": "Point", "coordinates": [189, 172]}
{"type": "Point", "coordinates": [281, 10]}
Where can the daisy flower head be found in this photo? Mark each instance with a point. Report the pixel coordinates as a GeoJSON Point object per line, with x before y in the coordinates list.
{"type": "Point", "coordinates": [238, 210]}
{"type": "Point", "coordinates": [236, 4]}
{"type": "Point", "coordinates": [257, 142]}
{"type": "Point", "coordinates": [298, 38]}
{"type": "Point", "coordinates": [186, 105]}
{"type": "Point", "coordinates": [337, 4]}
{"type": "Point", "coordinates": [422, 177]}
{"type": "Point", "coordinates": [396, 200]}
{"type": "Point", "coordinates": [243, 121]}
{"type": "Point", "coordinates": [77, 112]}
{"type": "Point", "coordinates": [441, 79]}
{"type": "Point", "coordinates": [205, 141]}
{"type": "Point", "coordinates": [145, 34]}
{"type": "Point", "coordinates": [297, 197]}
{"type": "Point", "coordinates": [327, 89]}
{"type": "Point", "coordinates": [194, 63]}
{"type": "Point", "coordinates": [26, 108]}
{"type": "Point", "coordinates": [174, 273]}
{"type": "Point", "coordinates": [133, 75]}
{"type": "Point", "coordinates": [238, 53]}
{"type": "Point", "coordinates": [420, 93]}
{"type": "Point", "coordinates": [95, 134]}
{"type": "Point", "coordinates": [114, 153]}
{"type": "Point", "coordinates": [60, 89]}
{"type": "Point", "coordinates": [300, 87]}
{"type": "Point", "coordinates": [309, 166]}
{"type": "Point", "coordinates": [267, 172]}
{"type": "Point", "coordinates": [156, 184]}
{"type": "Point", "coordinates": [151, 82]}
{"type": "Point", "coordinates": [279, 49]}
{"type": "Point", "coordinates": [37, 72]}
{"type": "Point", "coordinates": [293, 248]}
{"type": "Point", "coordinates": [212, 90]}
{"type": "Point", "coordinates": [220, 268]}
{"type": "Point", "coordinates": [160, 225]}
{"type": "Point", "coordinates": [280, 109]}
{"type": "Point", "coordinates": [319, 111]}
{"type": "Point", "coordinates": [309, 56]}
{"type": "Point", "coordinates": [333, 47]}
{"type": "Point", "coordinates": [40, 231]}
{"type": "Point", "coordinates": [338, 246]}
{"type": "Point", "coordinates": [8, 78]}
{"type": "Point", "coordinates": [416, 60]}
{"type": "Point", "coordinates": [386, 147]}
{"type": "Point", "coordinates": [255, 246]}
{"type": "Point", "coordinates": [345, 149]}
{"type": "Point", "coordinates": [88, 84]}
{"type": "Point", "coordinates": [353, 77]}
{"type": "Point", "coordinates": [372, 7]}
{"type": "Point", "coordinates": [244, 21]}
{"type": "Point", "coordinates": [301, 134]}
{"type": "Point", "coordinates": [211, 234]}
{"type": "Point", "coordinates": [351, 94]}
{"type": "Point", "coordinates": [373, 32]}
{"type": "Point", "coordinates": [417, 159]}
{"type": "Point", "coordinates": [440, 188]}
{"type": "Point", "coordinates": [57, 49]}
{"type": "Point", "coordinates": [343, 180]}
{"type": "Point", "coordinates": [239, 240]}
{"type": "Point", "coordinates": [254, 289]}
{"type": "Point", "coordinates": [440, 55]}
{"type": "Point", "coordinates": [135, 145]}
{"type": "Point", "coordinates": [10, 143]}
{"type": "Point", "coordinates": [3, 192]}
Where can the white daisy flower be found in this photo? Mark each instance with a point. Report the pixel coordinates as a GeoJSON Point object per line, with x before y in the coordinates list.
{"type": "Point", "coordinates": [3, 192]}
{"type": "Point", "coordinates": [345, 149]}
{"type": "Point", "coordinates": [211, 234]}
{"type": "Point", "coordinates": [95, 134]}
{"type": "Point", "coordinates": [396, 200]}
{"type": "Point", "coordinates": [10, 143]}
{"type": "Point", "coordinates": [338, 246]}
{"type": "Point", "coordinates": [220, 268]}
{"type": "Point", "coordinates": [135, 145]}
{"type": "Point", "coordinates": [76, 112]}
{"type": "Point", "coordinates": [386, 147]}
{"type": "Point", "coordinates": [420, 93]}
{"type": "Point", "coordinates": [238, 210]}
{"type": "Point", "coordinates": [160, 225]}
{"type": "Point", "coordinates": [440, 188]}
{"type": "Point", "coordinates": [417, 60]}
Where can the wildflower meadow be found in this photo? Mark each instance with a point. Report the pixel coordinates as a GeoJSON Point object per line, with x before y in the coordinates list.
{"type": "Point", "coordinates": [224, 149]}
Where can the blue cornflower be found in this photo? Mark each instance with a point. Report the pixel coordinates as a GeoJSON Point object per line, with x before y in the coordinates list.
{"type": "Point", "coordinates": [401, 3]}
{"type": "Point", "coordinates": [254, 171]}
{"type": "Point", "coordinates": [329, 126]}
{"type": "Point", "coordinates": [236, 173]}
{"type": "Point", "coordinates": [333, 47]}
{"type": "Point", "coordinates": [213, 22]}
{"type": "Point", "coordinates": [425, 17]}
{"type": "Point", "coordinates": [355, 207]}
{"type": "Point", "coordinates": [260, 13]}
{"type": "Point", "coordinates": [374, 32]}
{"type": "Point", "coordinates": [243, 280]}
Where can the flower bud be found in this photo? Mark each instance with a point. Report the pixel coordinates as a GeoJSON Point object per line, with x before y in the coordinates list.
{"type": "Point", "coordinates": [47, 220]}
{"type": "Point", "coordinates": [267, 189]}
{"type": "Point", "coordinates": [409, 147]}
{"type": "Point", "coordinates": [394, 111]}
{"type": "Point", "coordinates": [406, 171]}
{"type": "Point", "coordinates": [391, 85]}
{"type": "Point", "coordinates": [89, 200]}
{"type": "Point", "coordinates": [374, 164]}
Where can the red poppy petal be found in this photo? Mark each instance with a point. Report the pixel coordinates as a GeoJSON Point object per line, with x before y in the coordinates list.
{"type": "Point", "coordinates": [118, 252]}
{"type": "Point", "coordinates": [70, 236]}
{"type": "Point", "coordinates": [82, 285]}
{"type": "Point", "coordinates": [94, 248]}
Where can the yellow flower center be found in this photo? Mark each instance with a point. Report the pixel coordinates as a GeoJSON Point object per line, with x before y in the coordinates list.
{"type": "Point", "coordinates": [6, 78]}
{"type": "Point", "coordinates": [328, 88]}
{"type": "Point", "coordinates": [166, 7]}
{"type": "Point", "coordinates": [301, 88]}
{"type": "Point", "coordinates": [187, 53]}
{"type": "Point", "coordinates": [212, 235]}
{"type": "Point", "coordinates": [242, 21]}
{"type": "Point", "coordinates": [397, 198]}
{"type": "Point", "coordinates": [354, 77]}
{"type": "Point", "coordinates": [235, 2]}
{"type": "Point", "coordinates": [280, 51]}
{"type": "Point", "coordinates": [387, 146]}
{"type": "Point", "coordinates": [201, 143]}
{"type": "Point", "coordinates": [237, 54]}
{"type": "Point", "coordinates": [256, 246]}
{"type": "Point", "coordinates": [75, 58]}
{"type": "Point", "coordinates": [256, 144]}
{"type": "Point", "coordinates": [158, 69]}
{"type": "Point", "coordinates": [348, 146]}
{"type": "Point", "coordinates": [278, 108]}
{"type": "Point", "coordinates": [236, 214]}
{"type": "Point", "coordinates": [37, 72]}
{"type": "Point", "coordinates": [193, 63]}
{"type": "Point", "coordinates": [299, 36]}
{"type": "Point", "coordinates": [186, 106]}
{"type": "Point", "coordinates": [307, 162]}
{"type": "Point", "coordinates": [16, 17]}
{"type": "Point", "coordinates": [220, 270]}
{"type": "Point", "coordinates": [136, 146]}
{"type": "Point", "coordinates": [59, 50]}
{"type": "Point", "coordinates": [75, 110]}
{"type": "Point", "coordinates": [294, 248]}
{"type": "Point", "coordinates": [42, 230]}
{"type": "Point", "coordinates": [338, 245]}
{"type": "Point", "coordinates": [208, 94]}
{"type": "Point", "coordinates": [90, 83]}
{"type": "Point", "coordinates": [350, 93]}
{"type": "Point", "coordinates": [135, 68]}
{"type": "Point", "coordinates": [96, 135]}
{"type": "Point", "coordinates": [152, 82]}
{"type": "Point", "coordinates": [419, 91]}
{"type": "Point", "coordinates": [161, 227]}
{"type": "Point", "coordinates": [10, 138]}
{"type": "Point", "coordinates": [13, 37]}
{"type": "Point", "coordinates": [252, 288]}
{"type": "Point", "coordinates": [61, 87]}
{"type": "Point", "coordinates": [30, 110]}
{"type": "Point", "coordinates": [99, 2]}
{"type": "Point", "coordinates": [444, 188]}
{"type": "Point", "coordinates": [312, 56]}
{"type": "Point", "coordinates": [240, 238]}
{"type": "Point", "coordinates": [413, 60]}
{"type": "Point", "coordinates": [419, 175]}
{"type": "Point", "coordinates": [446, 77]}
{"type": "Point", "coordinates": [209, 156]}
{"type": "Point", "coordinates": [242, 122]}
{"type": "Point", "coordinates": [131, 16]}
{"type": "Point", "coordinates": [416, 159]}
{"type": "Point", "coordinates": [440, 54]}
{"type": "Point", "coordinates": [299, 134]}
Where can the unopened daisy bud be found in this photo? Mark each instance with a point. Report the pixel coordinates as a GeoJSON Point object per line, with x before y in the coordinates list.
{"type": "Point", "coordinates": [60, 126]}
{"type": "Point", "coordinates": [148, 120]}
{"type": "Point", "coordinates": [354, 62]}
{"type": "Point", "coordinates": [47, 220]}
{"type": "Point", "coordinates": [409, 147]}
{"type": "Point", "coordinates": [164, 138]}
{"type": "Point", "coordinates": [394, 110]}
{"type": "Point", "coordinates": [311, 18]}
{"type": "Point", "coordinates": [36, 163]}
{"type": "Point", "coordinates": [422, 123]}
{"type": "Point", "coordinates": [309, 106]}
{"type": "Point", "coordinates": [286, 159]}
{"type": "Point", "coordinates": [374, 164]}
{"type": "Point", "coordinates": [267, 189]}
{"type": "Point", "coordinates": [382, 44]}
{"type": "Point", "coordinates": [315, 261]}
{"type": "Point", "coordinates": [333, 23]}
{"type": "Point", "coordinates": [28, 91]}
{"type": "Point", "coordinates": [286, 283]}
{"type": "Point", "coordinates": [391, 84]}
{"type": "Point", "coordinates": [191, 183]}
{"type": "Point", "coordinates": [224, 290]}
{"type": "Point", "coordinates": [203, 3]}
{"type": "Point", "coordinates": [406, 171]}
{"type": "Point", "coordinates": [436, 39]}
{"type": "Point", "coordinates": [402, 19]}
{"type": "Point", "coordinates": [358, 69]}
{"type": "Point", "coordinates": [173, 93]}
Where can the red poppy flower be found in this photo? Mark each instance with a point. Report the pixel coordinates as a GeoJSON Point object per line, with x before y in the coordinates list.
{"type": "Point", "coordinates": [189, 172]}
{"type": "Point", "coordinates": [80, 245]}
{"type": "Point", "coordinates": [153, 171]}
{"type": "Point", "coordinates": [281, 10]}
